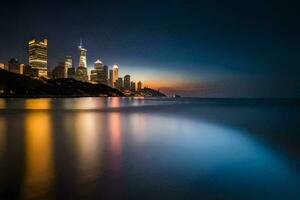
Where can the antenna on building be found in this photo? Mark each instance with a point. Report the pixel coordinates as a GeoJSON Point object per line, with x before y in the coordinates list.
{"type": "Point", "coordinates": [80, 43]}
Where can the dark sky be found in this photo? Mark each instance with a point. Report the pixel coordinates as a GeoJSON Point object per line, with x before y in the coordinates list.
{"type": "Point", "coordinates": [194, 48]}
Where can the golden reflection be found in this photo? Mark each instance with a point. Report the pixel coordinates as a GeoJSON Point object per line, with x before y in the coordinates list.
{"type": "Point", "coordinates": [114, 102]}
{"type": "Point", "coordinates": [88, 103]}
{"type": "Point", "coordinates": [38, 104]}
{"type": "Point", "coordinates": [89, 139]}
{"type": "Point", "coordinates": [2, 137]}
{"type": "Point", "coordinates": [115, 139]}
{"type": "Point", "coordinates": [39, 170]}
{"type": "Point", "coordinates": [2, 103]}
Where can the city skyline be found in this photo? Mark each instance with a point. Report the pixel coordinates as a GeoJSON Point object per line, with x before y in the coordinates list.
{"type": "Point", "coordinates": [187, 47]}
{"type": "Point", "coordinates": [33, 59]}
{"type": "Point", "coordinates": [37, 67]}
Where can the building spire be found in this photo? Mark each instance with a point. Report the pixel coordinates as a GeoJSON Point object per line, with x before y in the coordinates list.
{"type": "Point", "coordinates": [80, 43]}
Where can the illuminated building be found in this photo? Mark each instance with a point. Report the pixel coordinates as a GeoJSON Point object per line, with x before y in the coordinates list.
{"type": "Point", "coordinates": [119, 84]}
{"type": "Point", "coordinates": [132, 86]}
{"type": "Point", "coordinates": [111, 81]}
{"type": "Point", "coordinates": [38, 56]}
{"type": "Point", "coordinates": [59, 71]}
{"type": "Point", "coordinates": [99, 73]}
{"type": "Point", "coordinates": [68, 62]}
{"type": "Point", "coordinates": [82, 56]}
{"type": "Point", "coordinates": [115, 75]}
{"type": "Point", "coordinates": [81, 71]}
{"type": "Point", "coordinates": [82, 74]}
{"type": "Point", "coordinates": [14, 66]}
{"type": "Point", "coordinates": [127, 82]}
{"type": "Point", "coordinates": [70, 70]}
{"type": "Point", "coordinates": [2, 66]}
{"type": "Point", "coordinates": [139, 86]}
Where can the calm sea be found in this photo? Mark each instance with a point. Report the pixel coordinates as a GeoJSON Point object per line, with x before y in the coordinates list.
{"type": "Point", "coordinates": [135, 148]}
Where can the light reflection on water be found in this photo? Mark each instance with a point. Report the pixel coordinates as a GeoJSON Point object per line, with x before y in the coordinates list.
{"type": "Point", "coordinates": [39, 169]}
{"type": "Point", "coordinates": [50, 150]}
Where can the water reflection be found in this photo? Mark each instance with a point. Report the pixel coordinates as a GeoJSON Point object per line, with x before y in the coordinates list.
{"type": "Point", "coordinates": [2, 103]}
{"type": "Point", "coordinates": [38, 104]}
{"type": "Point", "coordinates": [89, 133]}
{"type": "Point", "coordinates": [115, 140]}
{"type": "Point", "coordinates": [39, 169]}
{"type": "Point", "coordinates": [73, 150]}
{"type": "Point", "coordinates": [2, 138]}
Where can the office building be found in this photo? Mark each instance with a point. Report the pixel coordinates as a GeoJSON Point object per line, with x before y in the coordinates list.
{"type": "Point", "coordinates": [14, 66]}
{"type": "Point", "coordinates": [100, 73]}
{"type": "Point", "coordinates": [115, 74]}
{"type": "Point", "coordinates": [82, 56]}
{"type": "Point", "coordinates": [82, 74]}
{"type": "Point", "coordinates": [68, 62]}
{"type": "Point", "coordinates": [38, 57]}
{"type": "Point", "coordinates": [132, 86]}
{"type": "Point", "coordinates": [139, 86]}
{"type": "Point", "coordinates": [59, 71]}
{"type": "Point", "coordinates": [111, 80]}
{"type": "Point", "coordinates": [81, 71]}
{"type": "Point", "coordinates": [127, 82]}
{"type": "Point", "coordinates": [119, 84]}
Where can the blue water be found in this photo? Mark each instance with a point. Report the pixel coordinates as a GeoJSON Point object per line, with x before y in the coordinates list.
{"type": "Point", "coordinates": [135, 148]}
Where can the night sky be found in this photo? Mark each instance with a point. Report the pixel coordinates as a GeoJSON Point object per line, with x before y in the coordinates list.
{"type": "Point", "coordinates": [188, 47]}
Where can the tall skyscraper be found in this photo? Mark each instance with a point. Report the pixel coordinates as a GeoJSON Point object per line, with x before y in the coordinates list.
{"type": "Point", "coordinates": [132, 86]}
{"type": "Point", "coordinates": [127, 82]}
{"type": "Point", "coordinates": [68, 62]}
{"type": "Point", "coordinates": [139, 86]}
{"type": "Point", "coordinates": [115, 74]}
{"type": "Point", "coordinates": [82, 56]}
{"type": "Point", "coordinates": [38, 58]}
{"type": "Point", "coordinates": [69, 70]}
{"type": "Point", "coordinates": [119, 83]}
{"type": "Point", "coordinates": [111, 79]}
{"type": "Point", "coordinates": [81, 72]}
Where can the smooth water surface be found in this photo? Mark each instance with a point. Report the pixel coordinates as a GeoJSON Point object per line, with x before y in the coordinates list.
{"type": "Point", "coordinates": [135, 148]}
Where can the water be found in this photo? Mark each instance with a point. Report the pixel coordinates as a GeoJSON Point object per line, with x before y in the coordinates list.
{"type": "Point", "coordinates": [117, 148]}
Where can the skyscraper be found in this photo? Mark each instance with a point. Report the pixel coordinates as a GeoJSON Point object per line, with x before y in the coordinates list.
{"type": "Point", "coordinates": [70, 71]}
{"type": "Point", "coordinates": [82, 56]}
{"type": "Point", "coordinates": [81, 72]}
{"type": "Point", "coordinates": [38, 57]}
{"type": "Point", "coordinates": [68, 62]}
{"type": "Point", "coordinates": [119, 83]}
{"type": "Point", "coordinates": [132, 86]}
{"type": "Point", "coordinates": [139, 86]}
{"type": "Point", "coordinates": [115, 74]}
{"type": "Point", "coordinates": [59, 71]}
{"type": "Point", "coordinates": [111, 79]}
{"type": "Point", "coordinates": [100, 73]}
{"type": "Point", "coordinates": [127, 82]}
